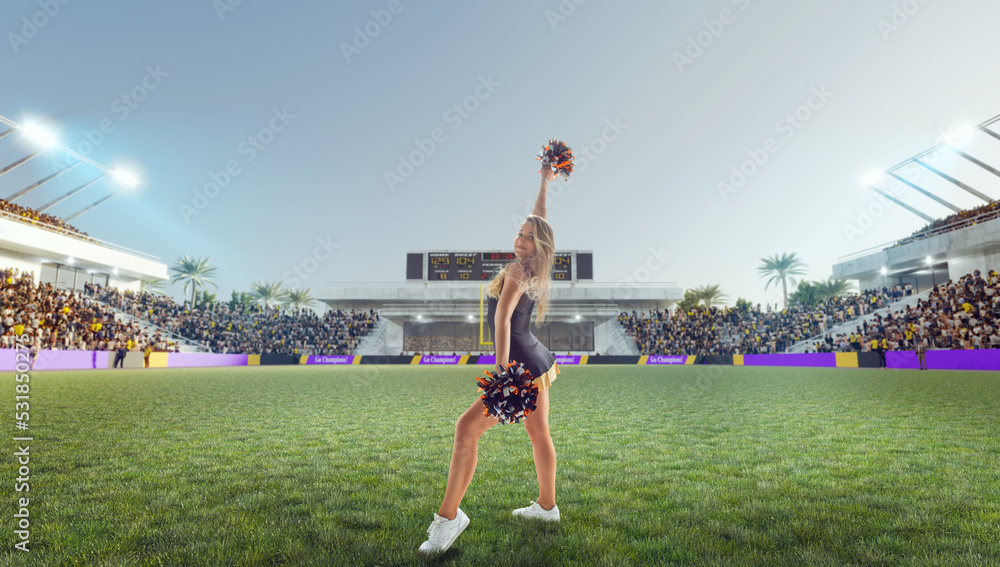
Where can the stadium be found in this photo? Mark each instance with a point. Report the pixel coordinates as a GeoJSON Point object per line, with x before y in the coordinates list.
{"type": "Point", "coordinates": [851, 422]}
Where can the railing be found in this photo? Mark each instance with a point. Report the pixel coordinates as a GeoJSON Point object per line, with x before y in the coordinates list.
{"type": "Point", "coordinates": [62, 231]}
{"type": "Point", "coordinates": [958, 224]}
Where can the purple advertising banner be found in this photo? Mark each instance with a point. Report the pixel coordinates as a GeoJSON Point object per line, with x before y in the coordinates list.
{"type": "Point", "coordinates": [72, 360]}
{"type": "Point", "coordinates": [197, 359]}
{"type": "Point", "coordinates": [7, 359]}
{"type": "Point", "coordinates": [666, 359]}
{"type": "Point", "coordinates": [330, 359]}
{"type": "Point", "coordinates": [59, 360]}
{"type": "Point", "coordinates": [902, 359]}
{"type": "Point", "coordinates": [490, 359]}
{"type": "Point", "coordinates": [822, 359]}
{"type": "Point", "coordinates": [568, 359]}
{"type": "Point", "coordinates": [440, 359]}
{"type": "Point", "coordinates": [985, 359]}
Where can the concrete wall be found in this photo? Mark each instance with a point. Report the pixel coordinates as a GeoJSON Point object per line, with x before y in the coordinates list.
{"type": "Point", "coordinates": [40, 245]}
{"type": "Point", "coordinates": [984, 261]}
{"type": "Point", "coordinates": [23, 262]}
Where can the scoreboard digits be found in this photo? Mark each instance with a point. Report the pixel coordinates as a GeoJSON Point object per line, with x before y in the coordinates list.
{"type": "Point", "coordinates": [481, 266]}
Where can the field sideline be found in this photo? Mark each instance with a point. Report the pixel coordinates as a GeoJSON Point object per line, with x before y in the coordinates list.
{"type": "Point", "coordinates": [314, 465]}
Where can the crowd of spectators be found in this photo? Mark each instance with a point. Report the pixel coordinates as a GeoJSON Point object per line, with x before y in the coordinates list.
{"type": "Point", "coordinates": [963, 314]}
{"type": "Point", "coordinates": [29, 215]}
{"type": "Point", "coordinates": [48, 318]}
{"type": "Point", "coordinates": [252, 328]}
{"type": "Point", "coordinates": [752, 330]}
{"type": "Point", "coordinates": [956, 221]}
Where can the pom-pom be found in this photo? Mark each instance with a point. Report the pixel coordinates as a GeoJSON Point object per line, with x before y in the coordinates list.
{"type": "Point", "coordinates": [509, 395]}
{"type": "Point", "coordinates": [558, 156]}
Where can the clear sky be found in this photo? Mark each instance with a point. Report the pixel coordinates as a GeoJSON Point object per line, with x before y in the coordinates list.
{"type": "Point", "coordinates": [314, 106]}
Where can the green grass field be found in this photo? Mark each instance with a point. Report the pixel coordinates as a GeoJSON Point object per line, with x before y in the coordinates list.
{"type": "Point", "coordinates": [657, 466]}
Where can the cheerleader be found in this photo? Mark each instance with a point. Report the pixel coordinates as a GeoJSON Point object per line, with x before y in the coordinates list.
{"type": "Point", "coordinates": [512, 292]}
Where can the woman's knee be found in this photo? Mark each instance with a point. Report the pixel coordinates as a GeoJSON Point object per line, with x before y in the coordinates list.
{"type": "Point", "coordinates": [468, 429]}
{"type": "Point", "coordinates": [537, 430]}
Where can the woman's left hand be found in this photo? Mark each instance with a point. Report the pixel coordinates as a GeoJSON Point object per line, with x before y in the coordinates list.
{"type": "Point", "coordinates": [548, 174]}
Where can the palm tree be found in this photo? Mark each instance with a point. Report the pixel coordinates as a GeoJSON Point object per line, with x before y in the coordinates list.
{"type": "Point", "coordinates": [834, 288]}
{"type": "Point", "coordinates": [296, 298]}
{"type": "Point", "coordinates": [711, 294]}
{"type": "Point", "coordinates": [206, 299]}
{"type": "Point", "coordinates": [152, 286]}
{"type": "Point", "coordinates": [193, 272]}
{"type": "Point", "coordinates": [266, 292]}
{"type": "Point", "coordinates": [779, 268]}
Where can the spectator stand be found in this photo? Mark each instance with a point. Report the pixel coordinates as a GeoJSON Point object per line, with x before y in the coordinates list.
{"type": "Point", "coordinates": [183, 344]}
{"type": "Point", "coordinates": [848, 327]}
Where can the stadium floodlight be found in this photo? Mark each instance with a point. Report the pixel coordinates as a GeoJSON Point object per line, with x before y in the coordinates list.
{"type": "Point", "coordinates": [70, 260]}
{"type": "Point", "coordinates": [872, 177]}
{"type": "Point", "coordinates": [126, 178]}
{"type": "Point", "coordinates": [39, 136]}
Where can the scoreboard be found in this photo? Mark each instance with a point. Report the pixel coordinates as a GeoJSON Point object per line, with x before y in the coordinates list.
{"type": "Point", "coordinates": [480, 266]}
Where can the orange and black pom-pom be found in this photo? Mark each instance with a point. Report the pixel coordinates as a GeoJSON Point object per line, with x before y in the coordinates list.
{"type": "Point", "coordinates": [558, 156]}
{"type": "Point", "coordinates": [509, 395]}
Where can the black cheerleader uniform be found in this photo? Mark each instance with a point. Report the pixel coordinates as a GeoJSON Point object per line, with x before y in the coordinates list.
{"type": "Point", "coordinates": [524, 346]}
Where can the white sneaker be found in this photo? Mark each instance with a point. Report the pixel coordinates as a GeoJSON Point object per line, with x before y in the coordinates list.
{"type": "Point", "coordinates": [536, 511]}
{"type": "Point", "coordinates": [443, 532]}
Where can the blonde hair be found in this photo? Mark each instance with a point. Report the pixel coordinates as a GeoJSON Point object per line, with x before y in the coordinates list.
{"type": "Point", "coordinates": [537, 268]}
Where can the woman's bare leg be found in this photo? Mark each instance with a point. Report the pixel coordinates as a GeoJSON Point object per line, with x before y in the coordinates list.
{"type": "Point", "coordinates": [544, 451]}
{"type": "Point", "coordinates": [469, 428]}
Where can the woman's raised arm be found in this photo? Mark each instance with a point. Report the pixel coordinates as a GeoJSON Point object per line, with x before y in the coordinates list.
{"type": "Point", "coordinates": [547, 175]}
